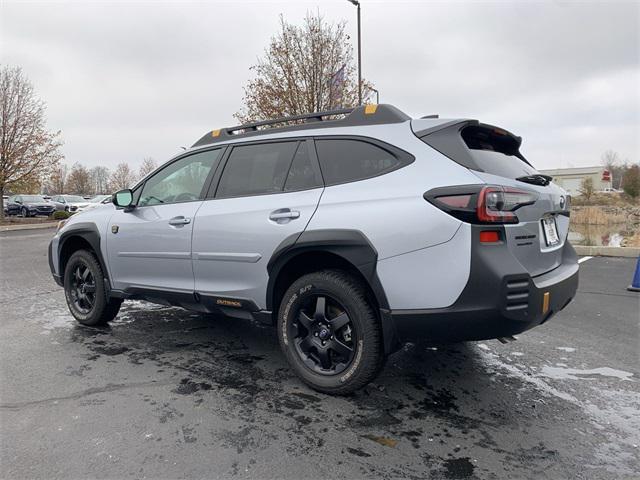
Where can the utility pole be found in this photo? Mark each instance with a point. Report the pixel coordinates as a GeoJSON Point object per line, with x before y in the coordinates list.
{"type": "Point", "coordinates": [357, 4]}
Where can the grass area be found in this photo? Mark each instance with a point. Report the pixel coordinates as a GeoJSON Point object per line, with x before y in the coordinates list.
{"type": "Point", "coordinates": [25, 221]}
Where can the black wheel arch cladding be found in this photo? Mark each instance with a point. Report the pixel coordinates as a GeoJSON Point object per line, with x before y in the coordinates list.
{"type": "Point", "coordinates": [350, 245]}
{"type": "Point", "coordinates": [89, 233]}
{"type": "Point", "coordinates": [353, 247]}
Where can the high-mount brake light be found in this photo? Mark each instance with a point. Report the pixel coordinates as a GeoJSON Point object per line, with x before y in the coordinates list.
{"type": "Point", "coordinates": [481, 204]}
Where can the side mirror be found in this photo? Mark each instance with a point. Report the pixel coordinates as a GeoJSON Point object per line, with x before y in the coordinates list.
{"type": "Point", "coordinates": [18, 201]}
{"type": "Point", "coordinates": [123, 198]}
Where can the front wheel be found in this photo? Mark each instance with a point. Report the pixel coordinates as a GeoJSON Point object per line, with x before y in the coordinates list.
{"type": "Point", "coordinates": [330, 333]}
{"type": "Point", "coordinates": [25, 212]}
{"type": "Point", "coordinates": [85, 292]}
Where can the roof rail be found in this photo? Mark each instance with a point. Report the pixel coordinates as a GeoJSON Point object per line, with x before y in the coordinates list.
{"type": "Point", "coordinates": [362, 115]}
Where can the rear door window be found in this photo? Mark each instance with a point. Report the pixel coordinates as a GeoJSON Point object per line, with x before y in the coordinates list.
{"type": "Point", "coordinates": [349, 160]}
{"type": "Point", "coordinates": [256, 169]}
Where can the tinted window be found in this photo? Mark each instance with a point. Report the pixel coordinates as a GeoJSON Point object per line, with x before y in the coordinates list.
{"type": "Point", "coordinates": [256, 169]}
{"type": "Point", "coordinates": [349, 160]}
{"type": "Point", "coordinates": [303, 173]}
{"type": "Point", "coordinates": [180, 181]}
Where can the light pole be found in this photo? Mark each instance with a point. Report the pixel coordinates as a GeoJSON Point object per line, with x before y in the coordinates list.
{"type": "Point", "coordinates": [357, 4]}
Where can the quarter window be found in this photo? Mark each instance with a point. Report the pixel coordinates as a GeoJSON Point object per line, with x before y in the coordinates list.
{"type": "Point", "coordinates": [347, 160]}
{"type": "Point", "coordinates": [303, 173]}
{"type": "Point", "coordinates": [256, 169]}
{"type": "Point", "coordinates": [180, 181]}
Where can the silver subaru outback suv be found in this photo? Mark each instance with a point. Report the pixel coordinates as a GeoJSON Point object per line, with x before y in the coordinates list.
{"type": "Point", "coordinates": [351, 231]}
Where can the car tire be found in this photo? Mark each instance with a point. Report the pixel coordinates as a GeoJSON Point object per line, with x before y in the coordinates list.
{"type": "Point", "coordinates": [85, 290]}
{"type": "Point", "coordinates": [313, 332]}
{"type": "Point", "coordinates": [24, 212]}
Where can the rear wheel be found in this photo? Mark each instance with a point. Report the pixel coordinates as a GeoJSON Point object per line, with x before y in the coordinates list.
{"type": "Point", "coordinates": [330, 332]}
{"type": "Point", "coordinates": [85, 291]}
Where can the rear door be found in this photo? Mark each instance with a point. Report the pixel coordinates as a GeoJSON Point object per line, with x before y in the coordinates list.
{"type": "Point", "coordinates": [149, 247]}
{"type": "Point", "coordinates": [266, 192]}
{"type": "Point", "coordinates": [493, 154]}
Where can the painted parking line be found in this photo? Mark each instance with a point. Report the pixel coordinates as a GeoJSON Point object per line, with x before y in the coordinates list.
{"type": "Point", "coordinates": [583, 259]}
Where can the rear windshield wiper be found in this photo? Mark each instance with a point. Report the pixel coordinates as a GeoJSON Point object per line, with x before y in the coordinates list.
{"type": "Point", "coordinates": [537, 179]}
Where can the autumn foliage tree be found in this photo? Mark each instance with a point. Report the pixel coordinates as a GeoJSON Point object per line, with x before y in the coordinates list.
{"type": "Point", "coordinates": [79, 180]}
{"type": "Point", "coordinates": [28, 151]}
{"type": "Point", "coordinates": [307, 68]}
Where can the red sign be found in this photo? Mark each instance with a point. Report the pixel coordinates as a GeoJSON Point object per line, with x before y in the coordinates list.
{"type": "Point", "coordinates": [606, 176]}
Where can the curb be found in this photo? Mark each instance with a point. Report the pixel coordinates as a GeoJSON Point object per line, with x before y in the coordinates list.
{"type": "Point", "coordinates": [31, 226]}
{"type": "Point", "coordinates": [595, 251]}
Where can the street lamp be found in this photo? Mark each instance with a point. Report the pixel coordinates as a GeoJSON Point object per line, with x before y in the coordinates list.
{"type": "Point", "coordinates": [357, 4]}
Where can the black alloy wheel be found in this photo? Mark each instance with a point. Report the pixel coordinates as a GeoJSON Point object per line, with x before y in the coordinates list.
{"type": "Point", "coordinates": [324, 335]}
{"type": "Point", "coordinates": [83, 288]}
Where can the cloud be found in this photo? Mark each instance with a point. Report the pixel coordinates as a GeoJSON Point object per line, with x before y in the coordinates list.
{"type": "Point", "coordinates": [128, 80]}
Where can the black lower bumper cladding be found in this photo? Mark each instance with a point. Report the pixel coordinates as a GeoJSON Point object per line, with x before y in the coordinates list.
{"type": "Point", "coordinates": [500, 299]}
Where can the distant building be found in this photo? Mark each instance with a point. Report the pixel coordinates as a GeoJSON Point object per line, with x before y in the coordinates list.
{"type": "Point", "coordinates": [571, 178]}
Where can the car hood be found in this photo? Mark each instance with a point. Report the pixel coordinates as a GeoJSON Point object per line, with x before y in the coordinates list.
{"type": "Point", "coordinates": [39, 204]}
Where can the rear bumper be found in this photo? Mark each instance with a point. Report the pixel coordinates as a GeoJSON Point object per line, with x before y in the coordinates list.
{"type": "Point", "coordinates": [500, 299]}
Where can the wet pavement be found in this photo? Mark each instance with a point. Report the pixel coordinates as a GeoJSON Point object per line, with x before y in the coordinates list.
{"type": "Point", "coordinates": [165, 393]}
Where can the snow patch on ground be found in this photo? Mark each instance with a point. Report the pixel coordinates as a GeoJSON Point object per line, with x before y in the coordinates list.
{"type": "Point", "coordinates": [561, 373]}
{"type": "Point", "coordinates": [567, 349]}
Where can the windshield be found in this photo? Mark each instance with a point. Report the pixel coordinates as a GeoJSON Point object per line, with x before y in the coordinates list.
{"type": "Point", "coordinates": [74, 198]}
{"type": "Point", "coordinates": [33, 198]}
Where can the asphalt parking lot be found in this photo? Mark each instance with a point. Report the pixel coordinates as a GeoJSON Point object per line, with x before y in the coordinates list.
{"type": "Point", "coordinates": [165, 393]}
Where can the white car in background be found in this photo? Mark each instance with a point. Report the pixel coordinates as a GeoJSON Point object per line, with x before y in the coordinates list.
{"type": "Point", "coordinates": [97, 201]}
{"type": "Point", "coordinates": [70, 203]}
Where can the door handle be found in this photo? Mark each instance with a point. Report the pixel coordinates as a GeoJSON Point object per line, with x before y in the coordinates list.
{"type": "Point", "coordinates": [280, 214]}
{"type": "Point", "coordinates": [179, 220]}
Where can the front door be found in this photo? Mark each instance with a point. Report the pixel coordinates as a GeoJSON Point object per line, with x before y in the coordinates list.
{"type": "Point", "coordinates": [267, 192]}
{"type": "Point", "coordinates": [149, 247]}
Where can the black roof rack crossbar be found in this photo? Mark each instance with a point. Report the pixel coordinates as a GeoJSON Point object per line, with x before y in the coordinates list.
{"type": "Point", "coordinates": [362, 115]}
{"type": "Point", "coordinates": [315, 117]}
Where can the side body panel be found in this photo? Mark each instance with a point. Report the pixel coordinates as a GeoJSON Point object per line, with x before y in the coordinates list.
{"type": "Point", "coordinates": [234, 238]}
{"type": "Point", "coordinates": [147, 251]}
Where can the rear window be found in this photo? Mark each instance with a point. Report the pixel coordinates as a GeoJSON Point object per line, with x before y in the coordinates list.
{"type": "Point", "coordinates": [346, 160]}
{"type": "Point", "coordinates": [483, 148]}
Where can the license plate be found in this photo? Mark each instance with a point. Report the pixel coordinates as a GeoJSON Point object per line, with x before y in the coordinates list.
{"type": "Point", "coordinates": [550, 231]}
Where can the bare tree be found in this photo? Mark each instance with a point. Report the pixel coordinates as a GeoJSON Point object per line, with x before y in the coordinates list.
{"type": "Point", "coordinates": [306, 68]}
{"type": "Point", "coordinates": [148, 166]}
{"type": "Point", "coordinates": [57, 181]}
{"type": "Point", "coordinates": [100, 180]}
{"type": "Point", "coordinates": [121, 178]}
{"type": "Point", "coordinates": [611, 161]}
{"type": "Point", "coordinates": [586, 188]}
{"type": "Point", "coordinates": [79, 181]}
{"type": "Point", "coordinates": [28, 152]}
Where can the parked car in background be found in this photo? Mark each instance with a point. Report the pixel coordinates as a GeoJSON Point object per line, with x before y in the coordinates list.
{"type": "Point", "coordinates": [97, 201]}
{"type": "Point", "coordinates": [69, 203]}
{"type": "Point", "coordinates": [28, 206]}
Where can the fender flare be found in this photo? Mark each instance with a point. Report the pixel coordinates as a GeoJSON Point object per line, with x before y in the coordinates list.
{"type": "Point", "coordinates": [350, 245]}
{"type": "Point", "coordinates": [89, 233]}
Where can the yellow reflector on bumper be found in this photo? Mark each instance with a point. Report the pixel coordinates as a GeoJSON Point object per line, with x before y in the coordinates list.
{"type": "Point", "coordinates": [545, 302]}
{"type": "Point", "coordinates": [370, 109]}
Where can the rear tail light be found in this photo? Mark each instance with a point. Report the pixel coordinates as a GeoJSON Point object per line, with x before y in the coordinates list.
{"type": "Point", "coordinates": [481, 204]}
{"type": "Point", "coordinates": [497, 204]}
